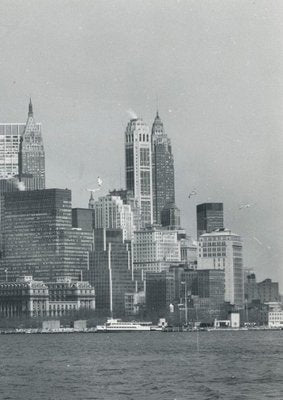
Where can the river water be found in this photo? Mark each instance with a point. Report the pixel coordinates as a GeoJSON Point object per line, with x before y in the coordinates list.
{"type": "Point", "coordinates": [146, 365]}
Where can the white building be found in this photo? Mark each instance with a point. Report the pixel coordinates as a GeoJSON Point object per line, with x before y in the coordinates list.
{"type": "Point", "coordinates": [112, 213]}
{"type": "Point", "coordinates": [275, 315]}
{"type": "Point", "coordinates": [222, 249]}
{"type": "Point", "coordinates": [155, 249]}
{"type": "Point", "coordinates": [139, 167]}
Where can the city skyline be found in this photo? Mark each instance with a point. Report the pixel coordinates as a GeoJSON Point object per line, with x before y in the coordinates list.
{"type": "Point", "coordinates": [219, 116]}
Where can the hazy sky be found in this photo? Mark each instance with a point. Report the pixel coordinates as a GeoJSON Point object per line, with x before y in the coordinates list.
{"type": "Point", "coordinates": [216, 67]}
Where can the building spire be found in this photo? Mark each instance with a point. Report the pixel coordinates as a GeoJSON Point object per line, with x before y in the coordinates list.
{"type": "Point", "coordinates": [30, 109]}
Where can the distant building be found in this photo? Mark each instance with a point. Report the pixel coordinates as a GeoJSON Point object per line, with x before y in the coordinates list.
{"type": "Point", "coordinates": [110, 271]}
{"type": "Point", "coordinates": [112, 213]}
{"type": "Point", "coordinates": [170, 216]}
{"type": "Point", "coordinates": [139, 167]}
{"type": "Point", "coordinates": [30, 298]}
{"type": "Point", "coordinates": [250, 287]}
{"type": "Point", "coordinates": [207, 288]}
{"type": "Point", "coordinates": [39, 239]}
{"type": "Point", "coordinates": [31, 155]}
{"type": "Point", "coordinates": [209, 217]}
{"type": "Point", "coordinates": [160, 292]}
{"type": "Point", "coordinates": [128, 198]}
{"type": "Point", "coordinates": [163, 183]}
{"type": "Point", "coordinates": [10, 136]}
{"type": "Point", "coordinates": [82, 218]}
{"type": "Point", "coordinates": [155, 249]}
{"type": "Point", "coordinates": [222, 249]}
{"type": "Point", "coordinates": [268, 291]}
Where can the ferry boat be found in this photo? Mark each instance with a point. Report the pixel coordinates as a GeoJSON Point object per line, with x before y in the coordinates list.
{"type": "Point", "coordinates": [117, 325]}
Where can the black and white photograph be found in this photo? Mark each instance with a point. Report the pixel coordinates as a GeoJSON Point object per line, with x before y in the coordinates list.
{"type": "Point", "coordinates": [141, 217]}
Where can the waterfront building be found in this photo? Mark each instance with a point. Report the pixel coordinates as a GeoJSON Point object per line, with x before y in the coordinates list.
{"type": "Point", "coordinates": [268, 291]}
{"type": "Point", "coordinates": [207, 288]}
{"type": "Point", "coordinates": [110, 271]}
{"type": "Point", "coordinates": [160, 292]}
{"type": "Point", "coordinates": [163, 183]}
{"type": "Point", "coordinates": [31, 155]}
{"type": "Point", "coordinates": [209, 217]}
{"type": "Point", "coordinates": [139, 167]}
{"type": "Point", "coordinates": [31, 298]}
{"type": "Point", "coordinates": [222, 249]}
{"type": "Point", "coordinates": [155, 249]}
{"type": "Point", "coordinates": [38, 238]}
{"type": "Point", "coordinates": [112, 213]}
{"type": "Point", "coordinates": [134, 303]}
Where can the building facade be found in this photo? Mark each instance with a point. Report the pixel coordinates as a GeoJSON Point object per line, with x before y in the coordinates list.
{"type": "Point", "coordinates": [110, 271]}
{"type": "Point", "coordinates": [10, 137]}
{"type": "Point", "coordinates": [209, 217]}
{"type": "Point", "coordinates": [139, 167]}
{"type": "Point", "coordinates": [222, 249]}
{"type": "Point", "coordinates": [38, 238]}
{"type": "Point", "coordinates": [155, 249]}
{"type": "Point", "coordinates": [112, 213]}
{"type": "Point", "coordinates": [30, 298]}
{"type": "Point", "coordinates": [163, 183]}
{"type": "Point", "coordinates": [31, 155]}
{"type": "Point", "coordinates": [268, 291]}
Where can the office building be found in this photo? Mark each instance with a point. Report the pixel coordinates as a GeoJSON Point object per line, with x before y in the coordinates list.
{"type": "Point", "coordinates": [160, 292]}
{"type": "Point", "coordinates": [268, 291]}
{"type": "Point", "coordinates": [139, 167]}
{"type": "Point", "coordinates": [82, 218]}
{"type": "Point", "coordinates": [112, 213]}
{"type": "Point", "coordinates": [10, 136]}
{"type": "Point", "coordinates": [38, 236]}
{"type": "Point", "coordinates": [163, 184]}
{"type": "Point", "coordinates": [222, 249]}
{"type": "Point", "coordinates": [155, 249]}
{"type": "Point", "coordinates": [170, 216]}
{"type": "Point", "coordinates": [110, 271]}
{"type": "Point", "coordinates": [31, 155]}
{"type": "Point", "coordinates": [250, 287]}
{"type": "Point", "coordinates": [209, 217]}
{"type": "Point", "coordinates": [128, 198]}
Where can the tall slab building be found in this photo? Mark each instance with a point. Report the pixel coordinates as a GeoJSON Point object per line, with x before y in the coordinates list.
{"type": "Point", "coordinates": [31, 155]}
{"type": "Point", "coordinates": [38, 236]}
{"type": "Point", "coordinates": [163, 183]}
{"type": "Point", "coordinates": [139, 167]}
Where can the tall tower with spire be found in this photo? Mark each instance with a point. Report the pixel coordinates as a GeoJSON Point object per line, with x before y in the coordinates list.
{"type": "Point", "coordinates": [138, 168]}
{"type": "Point", "coordinates": [31, 155]}
{"type": "Point", "coordinates": [163, 182]}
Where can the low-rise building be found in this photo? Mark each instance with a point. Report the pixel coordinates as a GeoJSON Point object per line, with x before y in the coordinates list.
{"type": "Point", "coordinates": [30, 298]}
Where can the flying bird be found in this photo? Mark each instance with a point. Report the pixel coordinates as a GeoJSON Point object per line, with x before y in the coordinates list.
{"type": "Point", "coordinates": [193, 193]}
{"type": "Point", "coordinates": [246, 206]}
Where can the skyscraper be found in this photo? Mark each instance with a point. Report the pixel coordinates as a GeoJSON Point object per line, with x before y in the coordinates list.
{"type": "Point", "coordinates": [38, 236]}
{"type": "Point", "coordinates": [163, 184]}
{"type": "Point", "coordinates": [31, 155]}
{"type": "Point", "coordinates": [209, 217]}
{"type": "Point", "coordinates": [110, 271]}
{"type": "Point", "coordinates": [139, 168]}
{"type": "Point", "coordinates": [222, 249]}
{"type": "Point", "coordinates": [112, 213]}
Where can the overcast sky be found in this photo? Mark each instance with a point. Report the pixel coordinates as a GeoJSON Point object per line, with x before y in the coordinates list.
{"type": "Point", "coordinates": [216, 67]}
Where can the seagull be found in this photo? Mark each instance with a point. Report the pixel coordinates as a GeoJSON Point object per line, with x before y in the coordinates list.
{"type": "Point", "coordinates": [193, 193]}
{"type": "Point", "coordinates": [99, 181]}
{"type": "Point", "coordinates": [246, 206]}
